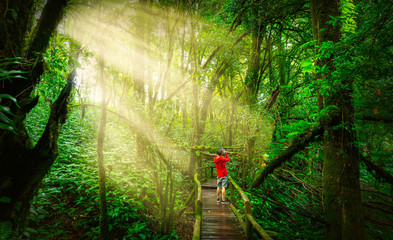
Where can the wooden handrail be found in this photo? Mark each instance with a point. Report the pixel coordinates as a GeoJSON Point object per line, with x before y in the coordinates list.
{"type": "Point", "coordinates": [249, 220]}
{"type": "Point", "coordinates": [198, 209]}
{"type": "Point", "coordinates": [200, 170]}
{"type": "Point", "coordinates": [258, 227]}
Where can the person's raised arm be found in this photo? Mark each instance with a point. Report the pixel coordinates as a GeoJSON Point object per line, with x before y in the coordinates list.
{"type": "Point", "coordinates": [226, 159]}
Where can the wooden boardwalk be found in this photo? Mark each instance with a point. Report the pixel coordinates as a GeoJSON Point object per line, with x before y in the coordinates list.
{"type": "Point", "coordinates": [218, 221]}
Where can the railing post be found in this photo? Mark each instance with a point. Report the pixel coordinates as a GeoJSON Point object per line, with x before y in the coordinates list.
{"type": "Point", "coordinates": [198, 209]}
{"type": "Point", "coordinates": [232, 198]}
{"type": "Point", "coordinates": [249, 221]}
{"type": "Point", "coordinates": [248, 210]}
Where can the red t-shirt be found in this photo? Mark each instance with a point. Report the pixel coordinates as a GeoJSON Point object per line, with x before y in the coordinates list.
{"type": "Point", "coordinates": [220, 165]}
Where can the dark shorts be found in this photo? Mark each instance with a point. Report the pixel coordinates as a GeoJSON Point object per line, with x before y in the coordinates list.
{"type": "Point", "coordinates": [222, 182]}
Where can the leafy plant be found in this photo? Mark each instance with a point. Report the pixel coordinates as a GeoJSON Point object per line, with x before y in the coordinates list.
{"type": "Point", "coordinates": [5, 121]}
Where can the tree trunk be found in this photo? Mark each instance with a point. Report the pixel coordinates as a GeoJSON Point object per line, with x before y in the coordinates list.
{"type": "Point", "coordinates": [208, 95]}
{"type": "Point", "coordinates": [139, 72]}
{"type": "Point", "coordinates": [13, 30]}
{"type": "Point", "coordinates": [182, 74]}
{"type": "Point", "coordinates": [104, 221]}
{"type": "Point", "coordinates": [342, 196]}
{"type": "Point", "coordinates": [50, 18]}
{"type": "Point", "coordinates": [254, 61]}
{"type": "Point", "coordinates": [231, 122]}
{"type": "Point", "coordinates": [195, 102]}
{"type": "Point", "coordinates": [23, 166]}
{"type": "Point", "coordinates": [315, 28]}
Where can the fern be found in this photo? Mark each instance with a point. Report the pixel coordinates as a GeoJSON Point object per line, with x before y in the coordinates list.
{"type": "Point", "coordinates": [5, 230]}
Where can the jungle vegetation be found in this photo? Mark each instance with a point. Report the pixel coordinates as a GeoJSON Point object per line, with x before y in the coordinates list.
{"type": "Point", "coordinates": [109, 107]}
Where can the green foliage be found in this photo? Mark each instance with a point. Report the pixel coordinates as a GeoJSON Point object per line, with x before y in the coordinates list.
{"type": "Point", "coordinates": [5, 230]}
{"type": "Point", "coordinates": [71, 191]}
{"type": "Point", "coordinates": [36, 121]}
{"type": "Point", "coordinates": [57, 62]}
{"type": "Point", "coordinates": [308, 66]}
{"type": "Point", "coordinates": [137, 185]}
{"type": "Point", "coordinates": [9, 75]}
{"type": "Point", "coordinates": [5, 121]}
{"type": "Point", "coordinates": [12, 74]}
{"type": "Point", "coordinates": [57, 67]}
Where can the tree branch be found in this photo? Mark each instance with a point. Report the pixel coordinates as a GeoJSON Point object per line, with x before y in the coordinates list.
{"type": "Point", "coordinates": [273, 98]}
{"type": "Point", "coordinates": [375, 119]}
{"type": "Point", "coordinates": [50, 17]}
{"type": "Point", "coordinates": [211, 56]}
{"type": "Point", "coordinates": [48, 141]}
{"type": "Point", "coordinates": [298, 144]}
{"type": "Point", "coordinates": [315, 218]}
{"type": "Point", "coordinates": [377, 171]}
{"type": "Point", "coordinates": [177, 89]}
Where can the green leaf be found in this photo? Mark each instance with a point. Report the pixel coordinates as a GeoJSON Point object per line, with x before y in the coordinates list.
{"type": "Point", "coordinates": [5, 230]}
{"type": "Point", "coordinates": [307, 66]}
{"type": "Point", "coordinates": [4, 73]}
{"type": "Point", "coordinates": [198, 153]}
{"type": "Point", "coordinates": [292, 134]}
{"type": "Point", "coordinates": [8, 63]}
{"type": "Point", "coordinates": [308, 44]}
{"type": "Point", "coordinates": [12, 77]}
{"type": "Point", "coordinates": [301, 156]}
{"type": "Point", "coordinates": [7, 127]}
{"type": "Point", "coordinates": [6, 110]}
{"type": "Point", "coordinates": [5, 119]}
{"type": "Point", "coordinates": [9, 97]}
{"type": "Point", "coordinates": [5, 199]}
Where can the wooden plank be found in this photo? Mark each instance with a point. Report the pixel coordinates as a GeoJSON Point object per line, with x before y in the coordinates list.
{"type": "Point", "coordinates": [218, 221]}
{"type": "Point", "coordinates": [211, 184]}
{"type": "Point", "coordinates": [222, 238]}
{"type": "Point", "coordinates": [239, 218]}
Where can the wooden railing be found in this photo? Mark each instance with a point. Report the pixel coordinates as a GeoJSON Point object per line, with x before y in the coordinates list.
{"type": "Point", "coordinates": [198, 209]}
{"type": "Point", "coordinates": [249, 220]}
{"type": "Point", "coordinates": [206, 172]}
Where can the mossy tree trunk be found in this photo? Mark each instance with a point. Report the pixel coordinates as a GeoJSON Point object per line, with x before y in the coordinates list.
{"type": "Point", "coordinates": [342, 196]}
{"type": "Point", "coordinates": [104, 221]}
{"type": "Point", "coordinates": [195, 138]}
{"type": "Point", "coordinates": [255, 55]}
{"type": "Point", "coordinates": [22, 165]}
{"type": "Point", "coordinates": [13, 30]}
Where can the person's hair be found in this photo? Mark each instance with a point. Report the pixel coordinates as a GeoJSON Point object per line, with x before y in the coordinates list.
{"type": "Point", "coordinates": [220, 152]}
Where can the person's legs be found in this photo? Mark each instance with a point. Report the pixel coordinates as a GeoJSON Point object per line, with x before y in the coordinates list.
{"type": "Point", "coordinates": [224, 187]}
{"type": "Point", "coordinates": [219, 185]}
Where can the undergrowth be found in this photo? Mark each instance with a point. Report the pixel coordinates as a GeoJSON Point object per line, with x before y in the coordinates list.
{"type": "Point", "coordinates": [66, 205]}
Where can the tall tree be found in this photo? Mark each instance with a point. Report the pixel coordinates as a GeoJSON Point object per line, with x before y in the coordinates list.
{"type": "Point", "coordinates": [139, 68]}
{"type": "Point", "coordinates": [195, 94]}
{"type": "Point", "coordinates": [104, 221]}
{"type": "Point", "coordinates": [22, 165]}
{"type": "Point", "coordinates": [257, 27]}
{"type": "Point", "coordinates": [342, 196]}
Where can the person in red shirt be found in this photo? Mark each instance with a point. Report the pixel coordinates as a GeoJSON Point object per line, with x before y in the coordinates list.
{"type": "Point", "coordinates": [222, 174]}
